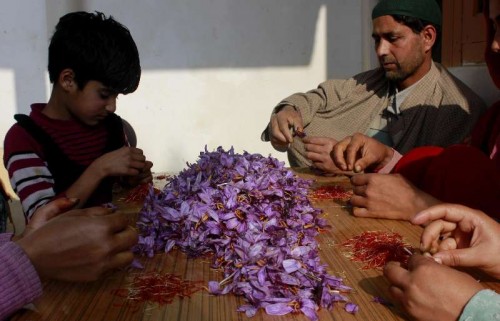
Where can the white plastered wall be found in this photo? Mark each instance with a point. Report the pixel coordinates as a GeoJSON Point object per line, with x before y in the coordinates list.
{"type": "Point", "coordinates": [212, 70]}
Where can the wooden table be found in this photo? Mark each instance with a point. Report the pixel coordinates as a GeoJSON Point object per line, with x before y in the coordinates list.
{"type": "Point", "coordinates": [96, 301]}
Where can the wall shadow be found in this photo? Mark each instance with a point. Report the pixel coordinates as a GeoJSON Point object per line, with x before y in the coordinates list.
{"type": "Point", "coordinates": [180, 34]}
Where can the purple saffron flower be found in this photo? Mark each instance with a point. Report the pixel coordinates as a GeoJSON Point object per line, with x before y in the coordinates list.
{"type": "Point", "coordinates": [214, 287]}
{"type": "Point", "coordinates": [291, 265]}
{"type": "Point", "coordinates": [382, 301]}
{"type": "Point", "coordinates": [351, 307]}
{"type": "Point", "coordinates": [278, 309]}
{"type": "Point", "coordinates": [254, 218]}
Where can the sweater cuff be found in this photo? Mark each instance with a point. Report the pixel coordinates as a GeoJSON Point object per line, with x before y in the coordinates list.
{"type": "Point", "coordinates": [19, 281]}
{"type": "Point", "coordinates": [389, 166]}
{"type": "Point", "coordinates": [483, 306]}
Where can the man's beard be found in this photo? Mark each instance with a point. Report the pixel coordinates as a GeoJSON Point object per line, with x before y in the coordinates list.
{"type": "Point", "coordinates": [401, 73]}
{"type": "Point", "coordinates": [396, 75]}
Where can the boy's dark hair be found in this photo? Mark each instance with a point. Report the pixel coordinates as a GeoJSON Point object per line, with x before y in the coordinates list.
{"type": "Point", "coordinates": [95, 48]}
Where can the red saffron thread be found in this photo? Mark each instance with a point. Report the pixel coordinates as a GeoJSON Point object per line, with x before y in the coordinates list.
{"type": "Point", "coordinates": [138, 194]}
{"type": "Point", "coordinates": [375, 248]}
{"type": "Point", "coordinates": [154, 287]}
{"type": "Point", "coordinates": [333, 192]}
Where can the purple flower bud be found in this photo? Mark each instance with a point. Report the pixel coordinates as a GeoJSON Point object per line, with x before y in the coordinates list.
{"type": "Point", "coordinates": [291, 265]}
{"type": "Point", "coordinates": [278, 309]}
{"type": "Point", "coordinates": [351, 308]}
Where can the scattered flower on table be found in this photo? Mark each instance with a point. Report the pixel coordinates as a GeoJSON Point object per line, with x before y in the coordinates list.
{"type": "Point", "coordinates": [378, 299]}
{"type": "Point", "coordinates": [253, 216]}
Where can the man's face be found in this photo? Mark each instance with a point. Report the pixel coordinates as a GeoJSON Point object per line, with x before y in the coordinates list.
{"type": "Point", "coordinates": [400, 51]}
{"type": "Point", "coordinates": [92, 103]}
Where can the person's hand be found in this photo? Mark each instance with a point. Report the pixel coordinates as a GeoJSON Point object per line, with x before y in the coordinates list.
{"type": "Point", "coordinates": [359, 152]}
{"type": "Point", "coordinates": [461, 236]}
{"type": "Point", "coordinates": [46, 213]}
{"type": "Point", "coordinates": [80, 245]}
{"type": "Point", "coordinates": [318, 150]}
{"type": "Point", "coordinates": [126, 161]}
{"type": "Point", "coordinates": [387, 196]}
{"type": "Point", "coordinates": [430, 291]}
{"type": "Point", "coordinates": [283, 124]}
{"type": "Point", "coordinates": [144, 177]}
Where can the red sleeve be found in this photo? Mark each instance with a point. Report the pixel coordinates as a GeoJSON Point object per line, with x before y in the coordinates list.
{"type": "Point", "coordinates": [414, 164]}
{"type": "Point", "coordinates": [458, 174]}
{"type": "Point", "coordinates": [486, 132]}
{"type": "Point", "coordinates": [29, 175]}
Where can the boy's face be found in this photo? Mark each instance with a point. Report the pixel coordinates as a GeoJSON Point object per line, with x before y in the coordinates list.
{"type": "Point", "coordinates": [92, 103]}
{"type": "Point", "coordinates": [400, 51]}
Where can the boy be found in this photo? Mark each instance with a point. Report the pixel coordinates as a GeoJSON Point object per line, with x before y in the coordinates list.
{"type": "Point", "coordinates": [74, 146]}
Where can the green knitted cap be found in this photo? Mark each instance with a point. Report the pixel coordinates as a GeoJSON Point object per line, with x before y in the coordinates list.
{"type": "Point", "coordinates": [427, 10]}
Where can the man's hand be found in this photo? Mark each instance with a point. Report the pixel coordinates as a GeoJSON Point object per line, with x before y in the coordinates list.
{"type": "Point", "coordinates": [80, 245]}
{"type": "Point", "coordinates": [460, 236]}
{"type": "Point", "coordinates": [387, 196]}
{"type": "Point", "coordinates": [430, 291]}
{"type": "Point", "coordinates": [318, 150]}
{"type": "Point", "coordinates": [359, 152]}
{"type": "Point", "coordinates": [283, 124]}
{"type": "Point", "coordinates": [47, 212]}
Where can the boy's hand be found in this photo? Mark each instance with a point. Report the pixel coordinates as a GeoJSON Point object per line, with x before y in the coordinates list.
{"type": "Point", "coordinates": [430, 291]}
{"type": "Point", "coordinates": [461, 236]}
{"type": "Point", "coordinates": [126, 161]}
{"type": "Point", "coordinates": [145, 176]}
{"type": "Point", "coordinates": [358, 152]}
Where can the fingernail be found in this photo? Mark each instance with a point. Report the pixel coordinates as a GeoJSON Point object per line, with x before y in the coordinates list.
{"type": "Point", "coordinates": [438, 260]}
{"type": "Point", "coordinates": [357, 169]}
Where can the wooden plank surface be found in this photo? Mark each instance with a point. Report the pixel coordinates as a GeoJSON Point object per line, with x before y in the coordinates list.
{"type": "Point", "coordinates": [97, 300]}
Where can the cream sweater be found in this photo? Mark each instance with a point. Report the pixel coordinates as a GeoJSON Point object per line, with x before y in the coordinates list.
{"type": "Point", "coordinates": [440, 110]}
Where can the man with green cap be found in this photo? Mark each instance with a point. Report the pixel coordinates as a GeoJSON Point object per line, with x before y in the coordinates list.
{"type": "Point", "coordinates": [408, 101]}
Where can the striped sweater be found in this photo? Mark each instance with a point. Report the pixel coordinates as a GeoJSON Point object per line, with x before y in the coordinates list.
{"type": "Point", "coordinates": [27, 163]}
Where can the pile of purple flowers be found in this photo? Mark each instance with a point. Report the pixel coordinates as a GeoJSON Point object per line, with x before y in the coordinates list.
{"type": "Point", "coordinates": [253, 216]}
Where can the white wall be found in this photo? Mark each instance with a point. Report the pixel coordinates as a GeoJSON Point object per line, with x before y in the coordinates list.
{"type": "Point", "coordinates": [212, 69]}
{"type": "Point", "coordinates": [479, 80]}
{"type": "Point", "coordinates": [23, 58]}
